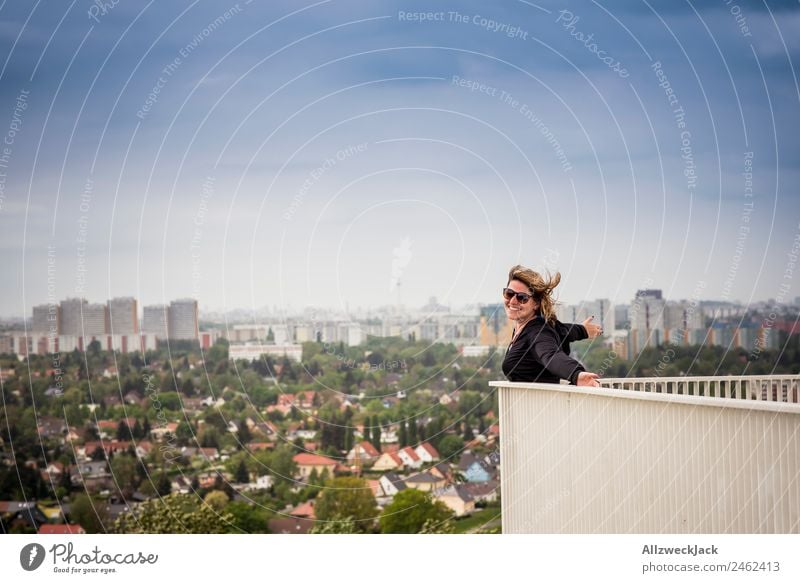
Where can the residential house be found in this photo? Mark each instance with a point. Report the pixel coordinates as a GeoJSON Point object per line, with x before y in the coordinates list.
{"type": "Point", "coordinates": [443, 471]}
{"type": "Point", "coordinates": [54, 470]}
{"type": "Point", "coordinates": [304, 510]}
{"type": "Point", "coordinates": [88, 449]}
{"type": "Point", "coordinates": [143, 448]}
{"type": "Point", "coordinates": [262, 483]}
{"type": "Point", "coordinates": [132, 398]}
{"type": "Point", "coordinates": [425, 481]}
{"type": "Point", "coordinates": [409, 457]}
{"type": "Point", "coordinates": [457, 499]}
{"type": "Point", "coordinates": [389, 436]}
{"type": "Point", "coordinates": [210, 401]}
{"type": "Point", "coordinates": [181, 485]}
{"type": "Point", "coordinates": [493, 459]}
{"type": "Point", "coordinates": [93, 475]}
{"type": "Point", "coordinates": [375, 486]}
{"type": "Point", "coordinates": [483, 491]}
{"type": "Point", "coordinates": [388, 462]}
{"type": "Point", "coordinates": [160, 431]}
{"type": "Point", "coordinates": [474, 469]}
{"type": "Point", "coordinates": [308, 462]}
{"type": "Point", "coordinates": [364, 451]}
{"type": "Point", "coordinates": [51, 427]}
{"type": "Point", "coordinates": [391, 484]}
{"type": "Point", "coordinates": [260, 445]}
{"type": "Point", "coordinates": [265, 429]}
{"type": "Point", "coordinates": [21, 513]}
{"type": "Point", "coordinates": [427, 453]}
{"type": "Point", "coordinates": [303, 400]}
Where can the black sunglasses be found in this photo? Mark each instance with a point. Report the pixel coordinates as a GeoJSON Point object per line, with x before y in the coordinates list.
{"type": "Point", "coordinates": [522, 297]}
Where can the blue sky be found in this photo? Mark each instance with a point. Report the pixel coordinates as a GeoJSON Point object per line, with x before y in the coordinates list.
{"type": "Point", "coordinates": [313, 154]}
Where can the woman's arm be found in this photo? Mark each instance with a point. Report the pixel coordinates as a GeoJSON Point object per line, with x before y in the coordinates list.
{"type": "Point", "coordinates": [572, 332]}
{"type": "Point", "coordinates": [547, 347]}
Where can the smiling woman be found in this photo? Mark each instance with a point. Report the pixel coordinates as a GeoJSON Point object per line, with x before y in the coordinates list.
{"type": "Point", "coordinates": [539, 348]}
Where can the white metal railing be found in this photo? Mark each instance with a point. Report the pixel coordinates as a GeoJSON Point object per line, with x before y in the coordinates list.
{"type": "Point", "coordinates": [782, 388]}
{"type": "Point", "coordinates": [662, 455]}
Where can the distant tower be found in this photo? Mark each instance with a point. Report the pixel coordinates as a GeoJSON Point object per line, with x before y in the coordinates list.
{"type": "Point", "coordinates": [123, 316]}
{"type": "Point", "coordinates": [155, 321]}
{"type": "Point", "coordinates": [182, 320]}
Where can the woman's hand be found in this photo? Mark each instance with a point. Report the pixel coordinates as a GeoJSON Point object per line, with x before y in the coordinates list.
{"type": "Point", "coordinates": [588, 379]}
{"type": "Point", "coordinates": [592, 329]}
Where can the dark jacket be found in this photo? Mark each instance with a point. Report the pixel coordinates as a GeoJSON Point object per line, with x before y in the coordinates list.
{"type": "Point", "coordinates": [541, 353]}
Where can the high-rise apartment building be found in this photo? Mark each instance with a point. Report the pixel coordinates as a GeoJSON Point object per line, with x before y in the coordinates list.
{"type": "Point", "coordinates": [681, 319]}
{"type": "Point", "coordinates": [123, 316]}
{"type": "Point", "coordinates": [71, 320]}
{"type": "Point", "coordinates": [647, 317]}
{"type": "Point", "coordinates": [182, 320]}
{"type": "Point", "coordinates": [45, 319]}
{"type": "Point", "coordinates": [601, 309]}
{"type": "Point", "coordinates": [95, 320]}
{"type": "Point", "coordinates": [155, 320]}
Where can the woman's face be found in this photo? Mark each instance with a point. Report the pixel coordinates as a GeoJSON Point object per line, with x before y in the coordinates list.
{"type": "Point", "coordinates": [516, 310]}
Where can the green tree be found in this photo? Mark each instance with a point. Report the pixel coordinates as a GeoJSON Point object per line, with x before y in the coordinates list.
{"type": "Point", "coordinates": [410, 510]}
{"type": "Point", "coordinates": [376, 433]}
{"type": "Point", "coordinates": [123, 431]}
{"type": "Point", "coordinates": [217, 499]}
{"type": "Point", "coordinates": [468, 436]}
{"type": "Point", "coordinates": [450, 446]}
{"type": "Point", "coordinates": [347, 497]}
{"type": "Point", "coordinates": [92, 515]}
{"type": "Point", "coordinates": [281, 465]}
{"type": "Point", "coordinates": [123, 468]}
{"type": "Point", "coordinates": [163, 485]}
{"type": "Point", "coordinates": [174, 514]}
{"type": "Point", "coordinates": [438, 527]}
{"type": "Point", "coordinates": [241, 475]}
{"type": "Point", "coordinates": [344, 526]}
{"type": "Point", "coordinates": [248, 517]}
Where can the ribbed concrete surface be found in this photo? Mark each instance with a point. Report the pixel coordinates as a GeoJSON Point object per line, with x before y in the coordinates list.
{"type": "Point", "coordinates": [611, 461]}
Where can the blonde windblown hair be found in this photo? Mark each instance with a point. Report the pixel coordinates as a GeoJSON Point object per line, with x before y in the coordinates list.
{"type": "Point", "coordinates": [540, 288]}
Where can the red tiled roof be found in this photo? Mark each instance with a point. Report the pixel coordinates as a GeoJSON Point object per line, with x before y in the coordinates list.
{"type": "Point", "coordinates": [259, 445]}
{"type": "Point", "coordinates": [430, 449]}
{"type": "Point", "coordinates": [369, 449]}
{"type": "Point", "coordinates": [312, 459]}
{"type": "Point", "coordinates": [411, 453]}
{"type": "Point", "coordinates": [305, 510]}
{"type": "Point", "coordinates": [61, 529]}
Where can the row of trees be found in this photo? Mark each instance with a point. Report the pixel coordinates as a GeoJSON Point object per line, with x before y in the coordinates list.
{"type": "Point", "coordinates": [346, 505]}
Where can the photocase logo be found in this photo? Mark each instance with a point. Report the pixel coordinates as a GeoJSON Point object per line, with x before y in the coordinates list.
{"type": "Point", "coordinates": [31, 556]}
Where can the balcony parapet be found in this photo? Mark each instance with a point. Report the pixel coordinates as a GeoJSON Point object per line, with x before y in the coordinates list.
{"type": "Point", "coordinates": [662, 455]}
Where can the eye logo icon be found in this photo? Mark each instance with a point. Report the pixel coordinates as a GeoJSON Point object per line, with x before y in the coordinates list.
{"type": "Point", "coordinates": [31, 556]}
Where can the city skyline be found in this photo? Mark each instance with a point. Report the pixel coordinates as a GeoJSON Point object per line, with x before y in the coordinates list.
{"type": "Point", "coordinates": [339, 154]}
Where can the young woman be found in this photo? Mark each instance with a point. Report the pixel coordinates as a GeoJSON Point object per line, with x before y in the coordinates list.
{"type": "Point", "coordinates": [539, 349]}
